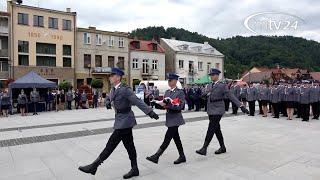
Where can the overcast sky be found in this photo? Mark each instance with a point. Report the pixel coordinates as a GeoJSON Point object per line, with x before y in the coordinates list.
{"type": "Point", "coordinates": [213, 18]}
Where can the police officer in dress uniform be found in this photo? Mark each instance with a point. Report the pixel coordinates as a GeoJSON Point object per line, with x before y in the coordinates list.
{"type": "Point", "coordinates": [35, 98]}
{"type": "Point", "coordinates": [264, 98]}
{"type": "Point", "coordinates": [297, 98]}
{"type": "Point", "coordinates": [314, 99]}
{"type": "Point", "coordinates": [251, 97]}
{"type": "Point", "coordinates": [197, 97]}
{"type": "Point", "coordinates": [69, 99]}
{"type": "Point", "coordinates": [289, 97]}
{"type": "Point", "coordinates": [275, 99]}
{"type": "Point", "coordinates": [235, 89]}
{"type": "Point", "coordinates": [174, 119]}
{"type": "Point", "coordinates": [215, 92]}
{"type": "Point", "coordinates": [305, 101]}
{"type": "Point", "coordinates": [121, 98]}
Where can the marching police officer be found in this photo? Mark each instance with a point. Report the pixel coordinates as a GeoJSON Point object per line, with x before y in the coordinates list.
{"type": "Point", "coordinates": [251, 97]}
{"type": "Point", "coordinates": [305, 101]}
{"type": "Point", "coordinates": [215, 92]}
{"type": "Point", "coordinates": [174, 119]}
{"type": "Point", "coordinates": [121, 98]}
{"type": "Point", "coordinates": [35, 98]}
{"type": "Point", "coordinates": [69, 99]}
{"type": "Point", "coordinates": [235, 89]}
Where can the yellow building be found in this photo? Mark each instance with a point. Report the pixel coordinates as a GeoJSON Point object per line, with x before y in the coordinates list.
{"type": "Point", "coordinates": [43, 41]}
{"type": "Point", "coordinates": [97, 52]}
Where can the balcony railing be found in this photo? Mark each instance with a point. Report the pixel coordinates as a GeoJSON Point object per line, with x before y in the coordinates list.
{"type": "Point", "coordinates": [101, 70]}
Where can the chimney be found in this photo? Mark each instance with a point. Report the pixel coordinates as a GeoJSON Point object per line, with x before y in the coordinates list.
{"type": "Point", "coordinates": [68, 10]}
{"type": "Point", "coordinates": [206, 43]}
{"type": "Point", "coordinates": [91, 27]}
{"type": "Point", "coordinates": [173, 38]}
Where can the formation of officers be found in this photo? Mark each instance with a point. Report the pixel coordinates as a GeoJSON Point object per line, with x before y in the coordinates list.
{"type": "Point", "coordinates": [122, 98]}
{"type": "Point", "coordinates": [287, 98]}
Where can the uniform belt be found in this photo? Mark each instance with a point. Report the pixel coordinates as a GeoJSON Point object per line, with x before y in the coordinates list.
{"type": "Point", "coordinates": [123, 110]}
{"type": "Point", "coordinates": [216, 100]}
{"type": "Point", "coordinates": [173, 111]}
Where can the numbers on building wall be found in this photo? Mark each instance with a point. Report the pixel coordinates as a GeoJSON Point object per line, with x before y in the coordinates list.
{"type": "Point", "coordinates": [52, 36]}
{"type": "Point", "coordinates": [33, 34]}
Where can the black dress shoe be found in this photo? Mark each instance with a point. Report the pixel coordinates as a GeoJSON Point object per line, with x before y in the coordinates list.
{"type": "Point", "coordinates": [91, 168]}
{"type": "Point", "coordinates": [305, 120]}
{"type": "Point", "coordinates": [221, 150]}
{"type": "Point", "coordinates": [181, 159]}
{"type": "Point", "coordinates": [133, 172]}
{"type": "Point", "coordinates": [202, 151]}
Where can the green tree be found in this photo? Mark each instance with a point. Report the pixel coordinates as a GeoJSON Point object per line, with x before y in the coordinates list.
{"type": "Point", "coordinates": [65, 85]}
{"type": "Point", "coordinates": [96, 83]}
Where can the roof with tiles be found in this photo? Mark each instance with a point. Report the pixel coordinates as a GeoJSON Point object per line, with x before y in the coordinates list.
{"type": "Point", "coordinates": [143, 45]}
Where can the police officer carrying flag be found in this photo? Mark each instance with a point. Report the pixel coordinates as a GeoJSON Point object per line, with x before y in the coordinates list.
{"type": "Point", "coordinates": [174, 119]}
{"type": "Point", "coordinates": [215, 92]}
{"type": "Point", "coordinates": [122, 98]}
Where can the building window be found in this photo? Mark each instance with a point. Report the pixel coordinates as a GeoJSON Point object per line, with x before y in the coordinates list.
{"type": "Point", "coordinates": [67, 50]}
{"type": "Point", "coordinates": [121, 63]}
{"type": "Point", "coordinates": [145, 66]}
{"type": "Point", "coordinates": [66, 62]}
{"type": "Point", "coordinates": [110, 41]}
{"type": "Point", "coordinates": [191, 67]}
{"type": "Point", "coordinates": [111, 61]}
{"type": "Point", "coordinates": [4, 66]}
{"type": "Point", "coordinates": [23, 46]}
{"type": "Point", "coordinates": [87, 60]}
{"type": "Point", "coordinates": [200, 64]}
{"type": "Point", "coordinates": [98, 39]}
{"type": "Point", "coordinates": [87, 38]}
{"type": "Point", "coordinates": [181, 64]}
{"type": "Point", "coordinates": [155, 64]}
{"type": "Point", "coordinates": [98, 61]}
{"type": "Point", "coordinates": [23, 19]}
{"type": "Point", "coordinates": [53, 23]}
{"type": "Point", "coordinates": [38, 21]}
{"type": "Point", "coordinates": [155, 47]}
{"type": "Point", "coordinates": [23, 60]}
{"type": "Point", "coordinates": [217, 65]}
{"type": "Point", "coordinates": [208, 67]}
{"type": "Point", "coordinates": [46, 61]}
{"type": "Point", "coordinates": [121, 42]}
{"type": "Point", "coordinates": [135, 63]}
{"type": "Point", "coordinates": [45, 48]}
{"type": "Point", "coordinates": [66, 24]}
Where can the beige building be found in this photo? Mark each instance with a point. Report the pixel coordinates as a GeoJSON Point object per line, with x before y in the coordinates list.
{"type": "Point", "coordinates": [43, 41]}
{"type": "Point", "coordinates": [4, 55]}
{"type": "Point", "coordinates": [97, 52]}
{"type": "Point", "coordinates": [191, 61]}
{"type": "Point", "coordinates": [147, 60]}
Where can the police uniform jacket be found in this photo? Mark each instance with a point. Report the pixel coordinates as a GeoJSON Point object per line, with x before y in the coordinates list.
{"type": "Point", "coordinates": [173, 115]}
{"type": "Point", "coordinates": [215, 92]}
{"type": "Point", "coordinates": [122, 99]}
{"type": "Point", "coordinates": [305, 95]}
{"type": "Point", "coordinates": [252, 94]}
{"type": "Point", "coordinates": [314, 94]}
{"type": "Point", "coordinates": [289, 94]}
{"type": "Point", "coordinates": [276, 97]}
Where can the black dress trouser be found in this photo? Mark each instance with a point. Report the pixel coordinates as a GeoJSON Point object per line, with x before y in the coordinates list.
{"type": "Point", "coordinates": [172, 133]}
{"type": "Point", "coordinates": [124, 135]}
{"type": "Point", "coordinates": [275, 107]}
{"type": "Point", "coordinates": [305, 111]}
{"type": "Point", "coordinates": [315, 109]}
{"type": "Point", "coordinates": [214, 128]}
{"type": "Point", "coordinates": [252, 107]}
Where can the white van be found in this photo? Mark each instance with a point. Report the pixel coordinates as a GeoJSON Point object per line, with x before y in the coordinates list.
{"type": "Point", "coordinates": [161, 85]}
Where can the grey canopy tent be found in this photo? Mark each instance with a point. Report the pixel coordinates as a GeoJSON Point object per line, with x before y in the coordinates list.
{"type": "Point", "coordinates": [31, 80]}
